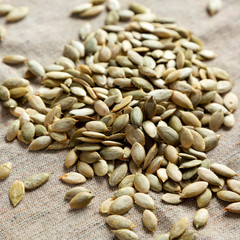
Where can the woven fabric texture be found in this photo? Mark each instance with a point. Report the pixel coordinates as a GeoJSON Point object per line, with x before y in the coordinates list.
{"type": "Point", "coordinates": [43, 214]}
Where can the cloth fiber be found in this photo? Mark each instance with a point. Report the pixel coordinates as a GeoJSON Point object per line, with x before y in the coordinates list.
{"type": "Point", "coordinates": [43, 214]}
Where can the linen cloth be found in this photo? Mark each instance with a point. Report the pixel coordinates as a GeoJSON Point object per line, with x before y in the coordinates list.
{"type": "Point", "coordinates": [43, 213]}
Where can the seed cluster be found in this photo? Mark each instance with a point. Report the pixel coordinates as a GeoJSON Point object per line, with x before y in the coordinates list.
{"type": "Point", "coordinates": [143, 102]}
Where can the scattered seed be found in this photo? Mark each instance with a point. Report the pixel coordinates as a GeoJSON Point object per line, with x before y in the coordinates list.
{"type": "Point", "coordinates": [214, 6]}
{"type": "Point", "coordinates": [92, 11]}
{"type": "Point", "coordinates": [71, 193]}
{"type": "Point", "coordinates": [172, 198]}
{"type": "Point", "coordinates": [80, 8]}
{"type": "Point", "coordinates": [5, 170]}
{"type": "Point", "coordinates": [233, 208]}
{"type": "Point", "coordinates": [119, 222]}
{"type": "Point", "coordinates": [14, 59]}
{"type": "Point", "coordinates": [125, 234]}
{"type": "Point", "coordinates": [149, 220]}
{"type": "Point", "coordinates": [81, 200]}
{"type": "Point", "coordinates": [234, 185]}
{"type": "Point", "coordinates": [178, 228]}
{"type": "Point", "coordinates": [223, 170]}
{"type": "Point", "coordinates": [36, 180]}
{"type": "Point", "coordinates": [73, 178]}
{"type": "Point", "coordinates": [228, 196]}
{"type": "Point", "coordinates": [200, 218]}
{"type": "Point", "coordinates": [17, 14]}
{"type": "Point", "coordinates": [16, 192]}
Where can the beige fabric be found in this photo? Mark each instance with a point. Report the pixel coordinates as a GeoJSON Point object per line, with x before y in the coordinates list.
{"type": "Point", "coordinates": [43, 213]}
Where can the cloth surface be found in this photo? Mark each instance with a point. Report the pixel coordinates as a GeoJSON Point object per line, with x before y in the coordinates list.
{"type": "Point", "coordinates": [43, 213]}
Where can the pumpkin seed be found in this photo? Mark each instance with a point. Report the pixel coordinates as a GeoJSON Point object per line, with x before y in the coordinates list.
{"type": "Point", "coordinates": [228, 196]}
{"type": "Point", "coordinates": [121, 205]}
{"type": "Point", "coordinates": [214, 6]}
{"type": "Point", "coordinates": [233, 208]}
{"type": "Point", "coordinates": [223, 170]}
{"type": "Point", "coordinates": [36, 180]}
{"type": "Point", "coordinates": [92, 11]}
{"type": "Point", "coordinates": [105, 205]}
{"type": "Point", "coordinates": [118, 174]}
{"type": "Point", "coordinates": [208, 176]}
{"type": "Point", "coordinates": [172, 198]}
{"type": "Point", "coordinates": [81, 200]}
{"type": "Point", "coordinates": [143, 200]}
{"type": "Point", "coordinates": [119, 222]}
{"type": "Point", "coordinates": [149, 220]}
{"type": "Point", "coordinates": [178, 228]}
{"type": "Point", "coordinates": [73, 178]}
{"type": "Point", "coordinates": [40, 143]}
{"type": "Point", "coordinates": [194, 189]}
{"type": "Point", "coordinates": [234, 185]}
{"type": "Point", "coordinates": [200, 218]}
{"type": "Point", "coordinates": [100, 167]}
{"type": "Point", "coordinates": [141, 183]}
{"type": "Point", "coordinates": [17, 14]}
{"type": "Point", "coordinates": [14, 59]}
{"type": "Point", "coordinates": [71, 193]}
{"type": "Point", "coordinates": [16, 192]}
{"type": "Point", "coordinates": [125, 234]}
{"type": "Point", "coordinates": [5, 170]}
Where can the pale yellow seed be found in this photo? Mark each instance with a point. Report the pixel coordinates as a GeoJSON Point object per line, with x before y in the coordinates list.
{"type": "Point", "coordinates": [214, 6]}
{"type": "Point", "coordinates": [119, 222]}
{"type": "Point", "coordinates": [5, 170]}
{"type": "Point", "coordinates": [105, 205]}
{"type": "Point", "coordinates": [92, 11]}
{"type": "Point", "coordinates": [233, 208]}
{"type": "Point", "coordinates": [200, 218]}
{"type": "Point", "coordinates": [149, 220]}
{"type": "Point", "coordinates": [16, 192]}
{"type": "Point", "coordinates": [73, 178]}
{"type": "Point", "coordinates": [228, 196]}
{"type": "Point", "coordinates": [14, 59]}
{"type": "Point", "coordinates": [234, 185]}
{"type": "Point", "coordinates": [231, 101]}
{"type": "Point", "coordinates": [178, 228]}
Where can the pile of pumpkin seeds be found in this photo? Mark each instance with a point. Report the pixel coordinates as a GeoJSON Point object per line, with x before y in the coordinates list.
{"type": "Point", "coordinates": [13, 14]}
{"type": "Point", "coordinates": [136, 103]}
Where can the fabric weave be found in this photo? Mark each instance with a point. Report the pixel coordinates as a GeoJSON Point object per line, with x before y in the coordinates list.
{"type": "Point", "coordinates": [43, 213]}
